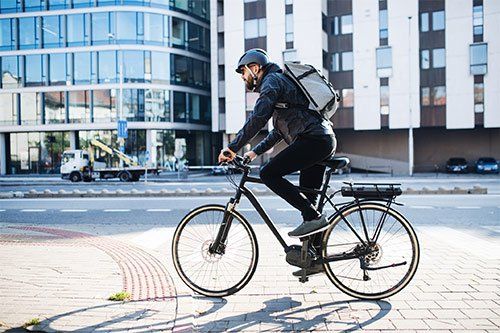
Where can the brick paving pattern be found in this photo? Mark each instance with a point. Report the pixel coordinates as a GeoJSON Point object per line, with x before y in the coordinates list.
{"type": "Point", "coordinates": [65, 277]}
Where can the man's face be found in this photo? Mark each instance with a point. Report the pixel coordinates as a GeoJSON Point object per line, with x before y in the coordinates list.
{"type": "Point", "coordinates": [246, 75]}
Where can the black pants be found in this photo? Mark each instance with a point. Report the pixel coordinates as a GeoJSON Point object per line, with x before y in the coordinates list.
{"type": "Point", "coordinates": [302, 154]}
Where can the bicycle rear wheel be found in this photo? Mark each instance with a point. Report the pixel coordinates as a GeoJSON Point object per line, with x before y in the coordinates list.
{"type": "Point", "coordinates": [209, 274]}
{"type": "Point", "coordinates": [391, 261]}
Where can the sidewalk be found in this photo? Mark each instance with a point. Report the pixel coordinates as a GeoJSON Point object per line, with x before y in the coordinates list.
{"type": "Point", "coordinates": [64, 277]}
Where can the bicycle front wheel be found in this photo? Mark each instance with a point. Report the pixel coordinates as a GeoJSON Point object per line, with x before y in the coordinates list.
{"type": "Point", "coordinates": [386, 266]}
{"type": "Point", "coordinates": [210, 274]}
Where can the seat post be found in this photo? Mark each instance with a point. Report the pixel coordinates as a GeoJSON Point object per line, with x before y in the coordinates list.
{"type": "Point", "coordinates": [324, 189]}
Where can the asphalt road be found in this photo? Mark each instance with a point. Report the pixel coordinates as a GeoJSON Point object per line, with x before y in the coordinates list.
{"type": "Point", "coordinates": [492, 182]}
{"type": "Point", "coordinates": [477, 213]}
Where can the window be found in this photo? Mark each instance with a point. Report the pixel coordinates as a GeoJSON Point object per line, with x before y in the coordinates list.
{"type": "Point", "coordinates": [100, 28]}
{"type": "Point", "coordinates": [133, 70]}
{"type": "Point", "coordinates": [255, 28]}
{"type": "Point", "coordinates": [104, 105]}
{"type": "Point", "coordinates": [198, 38]}
{"type": "Point", "coordinates": [157, 105]}
{"type": "Point", "coordinates": [126, 26]}
{"type": "Point", "coordinates": [33, 5]}
{"type": "Point", "coordinates": [10, 6]}
{"type": "Point", "coordinates": [478, 59]}
{"type": "Point", "coordinates": [52, 28]}
{"type": "Point", "coordinates": [106, 62]}
{"type": "Point", "coordinates": [79, 110]}
{"type": "Point", "coordinates": [335, 62]}
{"type": "Point", "coordinates": [161, 67]}
{"type": "Point", "coordinates": [289, 28]}
{"type": "Point", "coordinates": [335, 26]}
{"type": "Point", "coordinates": [28, 36]}
{"type": "Point", "coordinates": [424, 59]}
{"type": "Point", "coordinates": [55, 110]}
{"type": "Point", "coordinates": [7, 34]}
{"type": "Point", "coordinates": [57, 68]}
{"type": "Point", "coordinates": [425, 96]}
{"type": "Point", "coordinates": [347, 61]}
{"type": "Point", "coordinates": [11, 77]}
{"type": "Point", "coordinates": [82, 3]}
{"type": "Point", "coordinates": [424, 22]}
{"type": "Point", "coordinates": [59, 4]}
{"type": "Point", "coordinates": [290, 55]}
{"type": "Point", "coordinates": [81, 68]}
{"type": "Point", "coordinates": [178, 32]}
{"type": "Point", "coordinates": [347, 98]}
{"type": "Point", "coordinates": [477, 19]}
{"type": "Point", "coordinates": [31, 111]}
{"type": "Point", "coordinates": [478, 97]}
{"type": "Point", "coordinates": [439, 95]}
{"type": "Point", "coordinates": [438, 20]}
{"type": "Point", "coordinates": [438, 58]}
{"type": "Point", "coordinates": [384, 99]}
{"type": "Point", "coordinates": [33, 70]}
{"type": "Point", "coordinates": [179, 106]}
{"type": "Point", "coordinates": [383, 24]}
{"type": "Point", "coordinates": [153, 28]}
{"type": "Point", "coordinates": [9, 103]}
{"type": "Point", "coordinates": [76, 30]}
{"type": "Point", "coordinates": [384, 61]}
{"type": "Point", "coordinates": [180, 69]}
{"type": "Point", "coordinates": [346, 24]}
{"type": "Point", "coordinates": [133, 104]}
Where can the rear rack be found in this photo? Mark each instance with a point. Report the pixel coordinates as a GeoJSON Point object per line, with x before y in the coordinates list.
{"type": "Point", "coordinates": [371, 190]}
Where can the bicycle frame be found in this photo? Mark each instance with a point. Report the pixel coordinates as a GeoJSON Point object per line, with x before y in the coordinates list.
{"type": "Point", "coordinates": [218, 244]}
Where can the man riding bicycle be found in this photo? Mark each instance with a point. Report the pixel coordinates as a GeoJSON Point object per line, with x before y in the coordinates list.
{"type": "Point", "coordinates": [310, 137]}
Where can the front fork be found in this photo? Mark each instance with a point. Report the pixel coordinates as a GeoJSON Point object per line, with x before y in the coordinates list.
{"type": "Point", "coordinates": [219, 244]}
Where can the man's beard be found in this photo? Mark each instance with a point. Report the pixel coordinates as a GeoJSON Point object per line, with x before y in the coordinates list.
{"type": "Point", "coordinates": [250, 83]}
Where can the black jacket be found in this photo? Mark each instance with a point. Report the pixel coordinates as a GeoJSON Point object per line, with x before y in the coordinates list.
{"type": "Point", "coordinates": [276, 87]}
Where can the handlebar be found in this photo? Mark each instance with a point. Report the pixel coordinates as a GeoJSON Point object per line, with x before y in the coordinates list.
{"type": "Point", "coordinates": [239, 161]}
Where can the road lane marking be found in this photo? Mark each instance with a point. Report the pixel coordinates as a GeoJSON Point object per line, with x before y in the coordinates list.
{"type": "Point", "coordinates": [2, 210]}
{"type": "Point", "coordinates": [116, 210]}
{"type": "Point", "coordinates": [285, 209]}
{"type": "Point", "coordinates": [73, 210]}
{"type": "Point", "coordinates": [246, 209]}
{"type": "Point", "coordinates": [468, 207]}
{"type": "Point", "coordinates": [33, 210]}
{"type": "Point", "coordinates": [158, 210]}
{"type": "Point", "coordinates": [422, 207]}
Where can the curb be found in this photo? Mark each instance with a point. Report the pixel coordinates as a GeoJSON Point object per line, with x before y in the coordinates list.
{"type": "Point", "coordinates": [196, 192]}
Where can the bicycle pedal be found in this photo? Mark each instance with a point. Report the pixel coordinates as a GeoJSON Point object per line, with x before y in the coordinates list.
{"type": "Point", "coordinates": [303, 279]}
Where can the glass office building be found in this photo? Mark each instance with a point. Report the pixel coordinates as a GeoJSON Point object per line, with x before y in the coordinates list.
{"type": "Point", "coordinates": [72, 68]}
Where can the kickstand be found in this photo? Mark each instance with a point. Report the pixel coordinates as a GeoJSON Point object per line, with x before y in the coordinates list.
{"type": "Point", "coordinates": [303, 260]}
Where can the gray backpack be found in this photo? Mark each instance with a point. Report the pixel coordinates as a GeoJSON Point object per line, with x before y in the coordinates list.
{"type": "Point", "coordinates": [322, 97]}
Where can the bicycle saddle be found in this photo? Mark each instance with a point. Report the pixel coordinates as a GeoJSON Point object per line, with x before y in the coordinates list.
{"type": "Point", "coordinates": [335, 162]}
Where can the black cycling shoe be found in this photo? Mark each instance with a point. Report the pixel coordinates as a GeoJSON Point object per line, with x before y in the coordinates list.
{"type": "Point", "coordinates": [310, 227]}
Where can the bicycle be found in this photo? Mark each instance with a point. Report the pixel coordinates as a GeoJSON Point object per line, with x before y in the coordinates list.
{"type": "Point", "coordinates": [370, 251]}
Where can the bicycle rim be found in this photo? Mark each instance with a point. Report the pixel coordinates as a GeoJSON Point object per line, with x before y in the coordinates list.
{"type": "Point", "coordinates": [397, 243]}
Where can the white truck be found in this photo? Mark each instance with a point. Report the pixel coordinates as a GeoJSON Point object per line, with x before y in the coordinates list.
{"type": "Point", "coordinates": [78, 165]}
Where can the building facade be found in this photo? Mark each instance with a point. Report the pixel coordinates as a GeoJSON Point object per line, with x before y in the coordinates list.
{"type": "Point", "coordinates": [419, 79]}
{"type": "Point", "coordinates": [72, 68]}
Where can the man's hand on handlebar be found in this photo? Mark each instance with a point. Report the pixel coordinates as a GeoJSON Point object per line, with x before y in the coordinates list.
{"type": "Point", "coordinates": [226, 155]}
{"type": "Point", "coordinates": [249, 156]}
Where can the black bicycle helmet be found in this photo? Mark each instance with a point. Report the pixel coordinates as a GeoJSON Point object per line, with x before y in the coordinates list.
{"type": "Point", "coordinates": [253, 56]}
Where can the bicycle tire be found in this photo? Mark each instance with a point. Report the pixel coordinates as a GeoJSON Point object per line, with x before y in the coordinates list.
{"type": "Point", "coordinates": [203, 287]}
{"type": "Point", "coordinates": [339, 279]}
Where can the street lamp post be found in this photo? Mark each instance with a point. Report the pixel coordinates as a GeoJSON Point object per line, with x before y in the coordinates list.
{"type": "Point", "coordinates": [410, 127]}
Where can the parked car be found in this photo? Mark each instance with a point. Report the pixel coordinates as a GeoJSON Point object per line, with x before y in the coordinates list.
{"type": "Point", "coordinates": [486, 164]}
{"type": "Point", "coordinates": [457, 165]}
{"type": "Point", "coordinates": [221, 170]}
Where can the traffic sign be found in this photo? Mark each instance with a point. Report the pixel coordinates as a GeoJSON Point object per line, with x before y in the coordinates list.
{"type": "Point", "coordinates": [122, 129]}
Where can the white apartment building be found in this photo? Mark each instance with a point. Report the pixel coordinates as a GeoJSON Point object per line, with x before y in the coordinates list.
{"type": "Point", "coordinates": [419, 78]}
